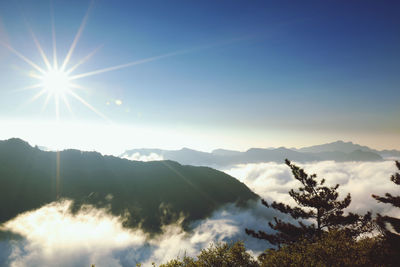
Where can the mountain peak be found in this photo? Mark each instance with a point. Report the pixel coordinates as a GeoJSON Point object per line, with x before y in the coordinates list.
{"type": "Point", "coordinates": [337, 146]}
{"type": "Point", "coordinates": [17, 141]}
{"type": "Point", "coordinates": [193, 191]}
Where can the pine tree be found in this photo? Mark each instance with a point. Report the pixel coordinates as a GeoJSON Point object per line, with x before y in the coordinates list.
{"type": "Point", "coordinates": [315, 202]}
{"type": "Point", "coordinates": [390, 226]}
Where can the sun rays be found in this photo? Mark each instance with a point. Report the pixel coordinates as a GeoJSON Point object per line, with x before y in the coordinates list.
{"type": "Point", "coordinates": [56, 79]}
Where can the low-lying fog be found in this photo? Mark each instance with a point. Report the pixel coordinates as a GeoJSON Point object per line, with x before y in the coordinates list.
{"type": "Point", "coordinates": [52, 236]}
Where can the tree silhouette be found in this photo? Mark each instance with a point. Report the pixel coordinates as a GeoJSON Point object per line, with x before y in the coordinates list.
{"type": "Point", "coordinates": [315, 202]}
{"type": "Point", "coordinates": [390, 226]}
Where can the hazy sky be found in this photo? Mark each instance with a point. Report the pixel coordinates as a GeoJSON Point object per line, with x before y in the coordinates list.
{"type": "Point", "coordinates": [232, 74]}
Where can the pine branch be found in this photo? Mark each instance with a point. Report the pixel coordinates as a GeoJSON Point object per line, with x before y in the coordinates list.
{"type": "Point", "coordinates": [314, 201]}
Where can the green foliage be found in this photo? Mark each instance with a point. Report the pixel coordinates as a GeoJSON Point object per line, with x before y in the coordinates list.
{"type": "Point", "coordinates": [390, 226]}
{"type": "Point", "coordinates": [144, 193]}
{"type": "Point", "coordinates": [338, 242]}
{"type": "Point", "coordinates": [315, 202]}
{"type": "Point", "coordinates": [335, 240]}
{"type": "Point", "coordinates": [334, 248]}
{"type": "Point", "coordinates": [222, 255]}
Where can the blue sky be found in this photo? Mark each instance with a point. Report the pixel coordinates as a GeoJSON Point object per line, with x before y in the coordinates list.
{"type": "Point", "coordinates": [247, 73]}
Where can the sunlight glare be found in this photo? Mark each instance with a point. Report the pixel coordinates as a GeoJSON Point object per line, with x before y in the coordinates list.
{"type": "Point", "coordinates": [56, 82]}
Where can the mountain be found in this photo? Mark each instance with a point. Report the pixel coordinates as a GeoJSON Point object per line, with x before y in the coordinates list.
{"type": "Point", "coordinates": [390, 153]}
{"type": "Point", "coordinates": [338, 151]}
{"type": "Point", "coordinates": [225, 152]}
{"type": "Point", "coordinates": [278, 155]}
{"type": "Point", "coordinates": [144, 193]}
{"type": "Point", "coordinates": [359, 155]}
{"type": "Point", "coordinates": [221, 157]}
{"type": "Point", "coordinates": [348, 147]}
{"type": "Point", "coordinates": [339, 146]}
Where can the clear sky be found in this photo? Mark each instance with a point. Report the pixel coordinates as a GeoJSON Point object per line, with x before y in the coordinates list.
{"type": "Point", "coordinates": [202, 74]}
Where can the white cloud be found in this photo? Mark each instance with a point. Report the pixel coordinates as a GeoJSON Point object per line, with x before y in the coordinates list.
{"type": "Point", "coordinates": [55, 237]}
{"type": "Point", "coordinates": [272, 181]}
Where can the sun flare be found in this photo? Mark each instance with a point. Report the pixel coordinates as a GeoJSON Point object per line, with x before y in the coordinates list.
{"type": "Point", "coordinates": [56, 82]}
{"type": "Point", "coordinates": [57, 79]}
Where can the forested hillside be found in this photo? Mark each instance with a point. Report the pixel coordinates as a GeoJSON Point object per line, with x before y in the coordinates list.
{"type": "Point", "coordinates": [147, 193]}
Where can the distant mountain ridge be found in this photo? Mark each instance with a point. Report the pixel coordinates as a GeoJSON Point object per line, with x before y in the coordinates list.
{"type": "Point", "coordinates": [348, 147]}
{"type": "Point", "coordinates": [338, 151]}
{"type": "Point", "coordinates": [143, 193]}
{"type": "Point", "coordinates": [340, 146]}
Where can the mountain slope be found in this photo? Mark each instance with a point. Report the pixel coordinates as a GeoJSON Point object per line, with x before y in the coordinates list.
{"type": "Point", "coordinates": [147, 193]}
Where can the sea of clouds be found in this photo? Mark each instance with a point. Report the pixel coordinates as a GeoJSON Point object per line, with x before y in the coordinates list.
{"type": "Point", "coordinates": [52, 236]}
{"type": "Point", "coordinates": [273, 181]}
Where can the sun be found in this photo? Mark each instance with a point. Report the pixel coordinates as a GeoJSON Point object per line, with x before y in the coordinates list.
{"type": "Point", "coordinates": [57, 79]}
{"type": "Point", "coordinates": [56, 82]}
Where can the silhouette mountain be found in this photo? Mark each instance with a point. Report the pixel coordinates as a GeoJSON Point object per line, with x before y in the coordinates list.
{"type": "Point", "coordinates": [338, 151]}
{"type": "Point", "coordinates": [144, 193]}
{"type": "Point", "coordinates": [348, 147]}
{"type": "Point", "coordinates": [338, 146]}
